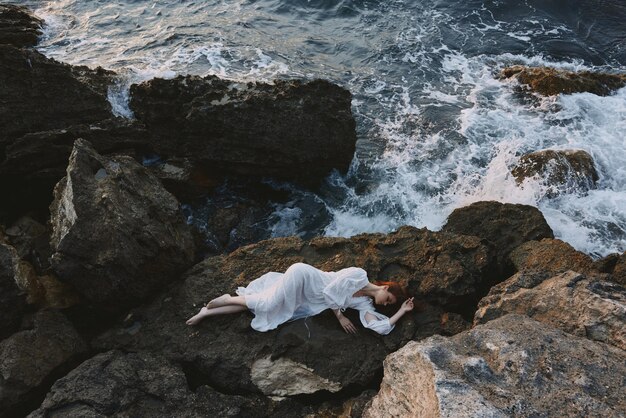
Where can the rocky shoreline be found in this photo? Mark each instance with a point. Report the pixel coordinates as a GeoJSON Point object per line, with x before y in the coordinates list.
{"type": "Point", "coordinates": [99, 268]}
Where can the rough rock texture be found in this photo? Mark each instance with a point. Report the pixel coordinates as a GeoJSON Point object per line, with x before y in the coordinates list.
{"type": "Point", "coordinates": [549, 256]}
{"type": "Point", "coordinates": [18, 27]}
{"type": "Point", "coordinates": [504, 225]}
{"type": "Point", "coordinates": [184, 179]}
{"type": "Point", "coordinates": [578, 304]}
{"type": "Point", "coordinates": [31, 240]}
{"type": "Point", "coordinates": [550, 81]}
{"type": "Point", "coordinates": [290, 129]}
{"type": "Point", "coordinates": [561, 170]}
{"type": "Point", "coordinates": [511, 366]}
{"type": "Point", "coordinates": [46, 94]}
{"type": "Point", "coordinates": [227, 354]}
{"type": "Point", "coordinates": [139, 384]}
{"type": "Point", "coordinates": [619, 272]}
{"type": "Point", "coordinates": [34, 358]}
{"type": "Point", "coordinates": [12, 298]}
{"type": "Point", "coordinates": [118, 235]}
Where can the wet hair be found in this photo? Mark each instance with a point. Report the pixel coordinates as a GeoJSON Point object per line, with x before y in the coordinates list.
{"type": "Point", "coordinates": [397, 289]}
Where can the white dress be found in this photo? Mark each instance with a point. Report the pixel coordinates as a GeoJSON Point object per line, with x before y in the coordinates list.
{"type": "Point", "coordinates": [304, 290]}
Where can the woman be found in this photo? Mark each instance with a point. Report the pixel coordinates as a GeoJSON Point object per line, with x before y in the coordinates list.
{"type": "Point", "coordinates": [304, 290]}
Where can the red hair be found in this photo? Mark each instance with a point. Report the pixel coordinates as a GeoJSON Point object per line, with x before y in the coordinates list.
{"type": "Point", "coordinates": [397, 289]}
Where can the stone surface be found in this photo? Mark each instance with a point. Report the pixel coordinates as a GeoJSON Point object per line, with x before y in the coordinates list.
{"type": "Point", "coordinates": [504, 225]}
{"type": "Point", "coordinates": [227, 354]}
{"type": "Point", "coordinates": [18, 26]}
{"type": "Point", "coordinates": [293, 130]}
{"type": "Point", "coordinates": [580, 305]}
{"type": "Point", "coordinates": [118, 236]}
{"type": "Point", "coordinates": [563, 171]}
{"type": "Point", "coordinates": [619, 272]}
{"type": "Point", "coordinates": [33, 358]}
{"type": "Point", "coordinates": [549, 256]}
{"type": "Point", "coordinates": [549, 81]}
{"type": "Point", "coordinates": [31, 240]}
{"type": "Point", "coordinates": [511, 366]}
{"type": "Point", "coordinates": [12, 297]}
{"type": "Point", "coordinates": [139, 384]}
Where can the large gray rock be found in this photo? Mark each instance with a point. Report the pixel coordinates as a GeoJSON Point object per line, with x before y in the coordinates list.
{"type": "Point", "coordinates": [580, 305]}
{"type": "Point", "coordinates": [139, 385]}
{"type": "Point", "coordinates": [314, 354]}
{"type": "Point", "coordinates": [293, 130]}
{"type": "Point", "coordinates": [118, 236]}
{"type": "Point", "coordinates": [12, 297]}
{"type": "Point", "coordinates": [33, 358]}
{"type": "Point", "coordinates": [18, 26]}
{"type": "Point", "coordinates": [504, 225]}
{"type": "Point", "coordinates": [511, 366]}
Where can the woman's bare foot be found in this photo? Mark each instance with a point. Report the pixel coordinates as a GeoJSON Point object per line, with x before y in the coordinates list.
{"type": "Point", "coordinates": [219, 301]}
{"type": "Point", "coordinates": [198, 317]}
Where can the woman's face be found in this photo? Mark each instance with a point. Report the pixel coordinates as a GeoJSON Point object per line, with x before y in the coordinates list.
{"type": "Point", "coordinates": [384, 296]}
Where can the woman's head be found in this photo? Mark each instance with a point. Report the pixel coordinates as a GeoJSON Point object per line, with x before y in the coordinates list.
{"type": "Point", "coordinates": [389, 293]}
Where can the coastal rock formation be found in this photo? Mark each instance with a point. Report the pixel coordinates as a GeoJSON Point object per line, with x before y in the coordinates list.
{"type": "Point", "coordinates": [33, 358]}
{"type": "Point", "coordinates": [561, 170]}
{"type": "Point", "coordinates": [511, 366]}
{"type": "Point", "coordinates": [550, 256]}
{"type": "Point", "coordinates": [580, 305]}
{"type": "Point", "coordinates": [118, 235]}
{"type": "Point", "coordinates": [619, 272]}
{"type": "Point", "coordinates": [18, 26]}
{"type": "Point", "coordinates": [293, 130]}
{"type": "Point", "coordinates": [12, 297]}
{"type": "Point", "coordinates": [504, 225]}
{"type": "Point", "coordinates": [139, 384]}
{"type": "Point", "coordinates": [550, 81]}
{"type": "Point", "coordinates": [227, 354]}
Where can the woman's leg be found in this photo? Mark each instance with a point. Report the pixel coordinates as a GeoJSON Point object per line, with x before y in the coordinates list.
{"type": "Point", "coordinates": [227, 300]}
{"type": "Point", "coordinates": [223, 310]}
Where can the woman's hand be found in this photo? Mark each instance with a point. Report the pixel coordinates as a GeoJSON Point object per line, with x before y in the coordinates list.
{"type": "Point", "coordinates": [407, 305]}
{"type": "Point", "coordinates": [347, 325]}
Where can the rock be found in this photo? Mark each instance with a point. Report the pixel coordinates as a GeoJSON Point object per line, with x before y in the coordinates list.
{"type": "Point", "coordinates": [606, 264]}
{"type": "Point", "coordinates": [511, 366]}
{"type": "Point", "coordinates": [32, 359]}
{"type": "Point", "coordinates": [562, 171]}
{"type": "Point", "coordinates": [577, 304]}
{"type": "Point", "coordinates": [504, 225]}
{"type": "Point", "coordinates": [18, 27]}
{"type": "Point", "coordinates": [139, 384]}
{"type": "Point", "coordinates": [12, 298]}
{"type": "Point", "coordinates": [117, 235]}
{"type": "Point", "coordinates": [31, 240]}
{"type": "Point", "coordinates": [549, 256]}
{"type": "Point", "coordinates": [228, 355]}
{"type": "Point", "coordinates": [549, 81]}
{"type": "Point", "coordinates": [183, 179]}
{"type": "Point", "coordinates": [291, 130]}
{"type": "Point", "coordinates": [619, 272]}
{"type": "Point", "coordinates": [47, 94]}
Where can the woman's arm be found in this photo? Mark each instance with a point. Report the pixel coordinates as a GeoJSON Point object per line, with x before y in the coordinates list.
{"type": "Point", "coordinates": [407, 306]}
{"type": "Point", "coordinates": [345, 322]}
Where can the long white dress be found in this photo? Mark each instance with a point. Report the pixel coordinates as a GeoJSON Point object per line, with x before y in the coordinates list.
{"type": "Point", "coordinates": [304, 290]}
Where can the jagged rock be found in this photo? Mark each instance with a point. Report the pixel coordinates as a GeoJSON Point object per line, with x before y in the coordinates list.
{"type": "Point", "coordinates": [12, 297]}
{"type": "Point", "coordinates": [511, 366]}
{"type": "Point", "coordinates": [183, 179]}
{"type": "Point", "coordinates": [580, 305]}
{"type": "Point", "coordinates": [31, 240]}
{"type": "Point", "coordinates": [227, 354]}
{"type": "Point", "coordinates": [550, 256]}
{"type": "Point", "coordinates": [293, 130]}
{"type": "Point", "coordinates": [32, 359]}
{"type": "Point", "coordinates": [606, 264]}
{"type": "Point", "coordinates": [562, 170]}
{"type": "Point", "coordinates": [550, 81]}
{"type": "Point", "coordinates": [18, 26]}
{"type": "Point", "coordinates": [139, 384]}
{"type": "Point", "coordinates": [619, 272]}
{"type": "Point", "coordinates": [118, 235]}
{"type": "Point", "coordinates": [504, 225]}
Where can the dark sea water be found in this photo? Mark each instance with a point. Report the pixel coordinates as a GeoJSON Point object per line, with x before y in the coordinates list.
{"type": "Point", "coordinates": [437, 130]}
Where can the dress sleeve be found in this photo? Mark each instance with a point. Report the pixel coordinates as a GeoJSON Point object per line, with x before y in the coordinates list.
{"type": "Point", "coordinates": [347, 281]}
{"type": "Point", "coordinates": [381, 324]}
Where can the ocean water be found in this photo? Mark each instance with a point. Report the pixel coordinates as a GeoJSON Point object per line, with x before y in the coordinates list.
{"type": "Point", "coordinates": [437, 130]}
